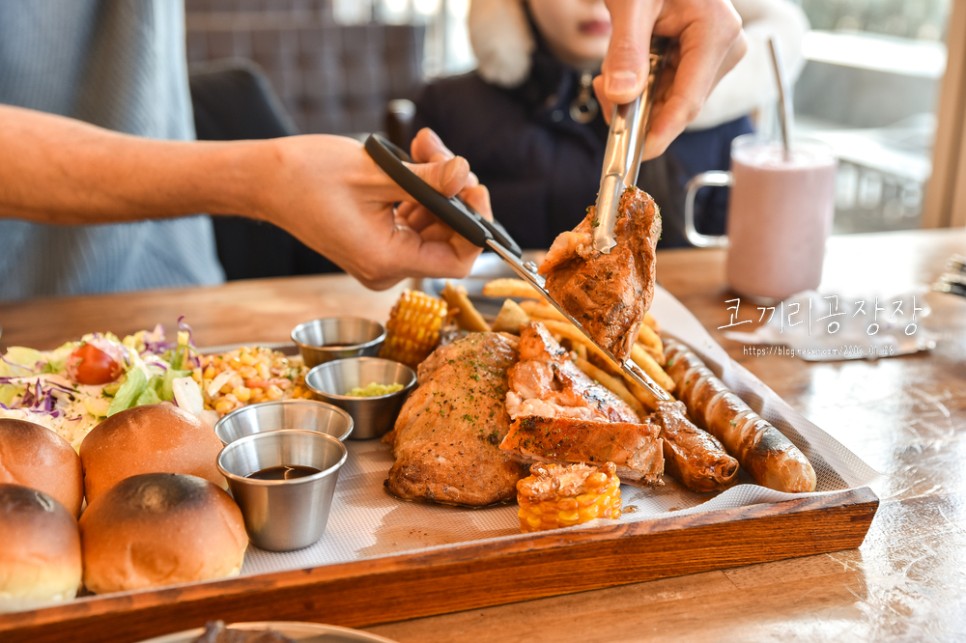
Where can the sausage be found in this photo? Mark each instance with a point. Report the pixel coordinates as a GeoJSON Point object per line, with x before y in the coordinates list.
{"type": "Point", "coordinates": [693, 456]}
{"type": "Point", "coordinates": [763, 451]}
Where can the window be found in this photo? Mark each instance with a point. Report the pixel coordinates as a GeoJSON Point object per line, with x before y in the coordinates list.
{"type": "Point", "coordinates": [447, 44]}
{"type": "Point", "coordinates": [871, 88]}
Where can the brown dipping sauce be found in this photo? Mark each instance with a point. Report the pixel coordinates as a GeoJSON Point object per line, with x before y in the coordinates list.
{"type": "Point", "coordinates": [283, 472]}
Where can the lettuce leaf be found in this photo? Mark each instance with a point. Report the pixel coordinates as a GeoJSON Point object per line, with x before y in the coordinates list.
{"type": "Point", "coordinates": [166, 390]}
{"type": "Point", "coordinates": [130, 391]}
{"type": "Point", "coordinates": [19, 360]}
{"type": "Point", "coordinates": [148, 396]}
{"type": "Point", "coordinates": [8, 392]}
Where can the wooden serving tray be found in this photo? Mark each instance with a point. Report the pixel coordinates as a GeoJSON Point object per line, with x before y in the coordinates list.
{"type": "Point", "coordinates": [470, 575]}
{"type": "Point", "coordinates": [394, 585]}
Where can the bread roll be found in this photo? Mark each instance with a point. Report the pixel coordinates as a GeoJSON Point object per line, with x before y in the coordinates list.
{"type": "Point", "coordinates": [34, 456]}
{"type": "Point", "coordinates": [158, 438]}
{"type": "Point", "coordinates": [160, 529]}
{"type": "Point", "coordinates": [40, 550]}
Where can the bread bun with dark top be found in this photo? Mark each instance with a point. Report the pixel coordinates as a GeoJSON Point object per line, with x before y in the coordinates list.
{"type": "Point", "coordinates": [159, 529]}
{"type": "Point", "coordinates": [40, 550]}
{"type": "Point", "coordinates": [34, 456]}
{"type": "Point", "coordinates": [156, 438]}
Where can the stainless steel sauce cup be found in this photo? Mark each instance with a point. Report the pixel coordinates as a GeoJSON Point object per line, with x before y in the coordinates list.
{"type": "Point", "coordinates": [329, 338]}
{"type": "Point", "coordinates": [278, 415]}
{"type": "Point", "coordinates": [372, 416]}
{"type": "Point", "coordinates": [282, 515]}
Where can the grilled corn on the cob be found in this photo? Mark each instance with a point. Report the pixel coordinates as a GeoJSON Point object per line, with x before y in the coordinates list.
{"type": "Point", "coordinates": [412, 331]}
{"type": "Point", "coordinates": [561, 495]}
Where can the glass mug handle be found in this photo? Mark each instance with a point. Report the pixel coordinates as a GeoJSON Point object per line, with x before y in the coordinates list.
{"type": "Point", "coordinates": [715, 179]}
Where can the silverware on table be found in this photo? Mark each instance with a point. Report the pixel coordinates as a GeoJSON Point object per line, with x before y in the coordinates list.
{"type": "Point", "coordinates": [953, 281]}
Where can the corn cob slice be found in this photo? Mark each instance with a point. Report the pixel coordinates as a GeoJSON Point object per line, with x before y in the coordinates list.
{"type": "Point", "coordinates": [412, 331]}
{"type": "Point", "coordinates": [561, 495]}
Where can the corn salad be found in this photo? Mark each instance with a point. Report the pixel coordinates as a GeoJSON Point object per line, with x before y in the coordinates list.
{"type": "Point", "coordinates": [561, 495]}
{"type": "Point", "coordinates": [248, 375]}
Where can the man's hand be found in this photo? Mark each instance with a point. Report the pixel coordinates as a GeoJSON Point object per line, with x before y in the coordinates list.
{"type": "Point", "coordinates": [323, 189]}
{"type": "Point", "coordinates": [708, 43]}
{"type": "Point", "coordinates": [340, 203]}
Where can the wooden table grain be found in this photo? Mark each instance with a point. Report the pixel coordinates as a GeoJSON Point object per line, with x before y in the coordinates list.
{"type": "Point", "coordinates": [906, 416]}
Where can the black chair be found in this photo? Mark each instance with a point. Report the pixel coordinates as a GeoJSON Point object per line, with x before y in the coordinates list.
{"type": "Point", "coordinates": [399, 117]}
{"type": "Point", "coordinates": [234, 100]}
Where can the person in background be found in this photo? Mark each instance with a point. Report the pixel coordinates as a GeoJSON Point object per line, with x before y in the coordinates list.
{"type": "Point", "coordinates": [530, 123]}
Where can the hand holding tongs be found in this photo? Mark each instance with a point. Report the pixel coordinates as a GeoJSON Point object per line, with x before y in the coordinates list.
{"type": "Point", "coordinates": [485, 234]}
{"type": "Point", "coordinates": [622, 156]}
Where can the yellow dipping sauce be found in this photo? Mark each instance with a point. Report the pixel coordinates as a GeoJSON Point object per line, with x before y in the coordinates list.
{"type": "Point", "coordinates": [374, 389]}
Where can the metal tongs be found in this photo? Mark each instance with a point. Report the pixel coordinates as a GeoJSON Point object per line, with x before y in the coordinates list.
{"type": "Point", "coordinates": [488, 235]}
{"type": "Point", "coordinates": [622, 156]}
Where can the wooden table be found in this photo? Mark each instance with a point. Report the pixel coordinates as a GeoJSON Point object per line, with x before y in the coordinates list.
{"type": "Point", "coordinates": [905, 416]}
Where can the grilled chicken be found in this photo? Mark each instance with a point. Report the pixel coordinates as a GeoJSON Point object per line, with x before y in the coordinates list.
{"type": "Point", "coordinates": [547, 383]}
{"type": "Point", "coordinates": [561, 415]}
{"type": "Point", "coordinates": [446, 439]}
{"type": "Point", "coordinates": [635, 449]}
{"type": "Point", "coordinates": [608, 293]}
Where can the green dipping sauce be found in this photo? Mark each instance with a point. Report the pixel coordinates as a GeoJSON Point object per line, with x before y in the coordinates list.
{"type": "Point", "coordinates": [374, 389]}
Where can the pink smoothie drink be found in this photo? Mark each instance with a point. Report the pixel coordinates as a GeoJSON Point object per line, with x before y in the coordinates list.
{"type": "Point", "coordinates": [779, 217]}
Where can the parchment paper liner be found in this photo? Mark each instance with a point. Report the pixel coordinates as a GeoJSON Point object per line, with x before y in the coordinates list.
{"type": "Point", "coordinates": [366, 522]}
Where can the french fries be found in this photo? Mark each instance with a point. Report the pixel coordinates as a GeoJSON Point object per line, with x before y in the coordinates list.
{"type": "Point", "coordinates": [650, 341]}
{"type": "Point", "coordinates": [640, 356]}
{"type": "Point", "coordinates": [569, 332]}
{"type": "Point", "coordinates": [510, 287]}
{"type": "Point", "coordinates": [511, 318]}
{"type": "Point", "coordinates": [613, 384]}
{"type": "Point", "coordinates": [647, 352]}
{"type": "Point", "coordinates": [541, 310]}
{"type": "Point", "coordinates": [650, 366]}
{"type": "Point", "coordinates": [643, 395]}
{"type": "Point", "coordinates": [466, 315]}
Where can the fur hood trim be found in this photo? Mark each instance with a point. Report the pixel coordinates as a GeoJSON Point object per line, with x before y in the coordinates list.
{"type": "Point", "coordinates": [502, 40]}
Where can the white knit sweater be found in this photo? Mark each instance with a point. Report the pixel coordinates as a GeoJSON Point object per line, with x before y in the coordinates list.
{"type": "Point", "coordinates": [502, 43]}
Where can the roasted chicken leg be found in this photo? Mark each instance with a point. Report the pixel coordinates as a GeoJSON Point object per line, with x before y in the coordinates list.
{"type": "Point", "coordinates": [608, 293]}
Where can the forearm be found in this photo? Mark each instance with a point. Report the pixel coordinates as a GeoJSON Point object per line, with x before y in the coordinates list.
{"type": "Point", "coordinates": [58, 170]}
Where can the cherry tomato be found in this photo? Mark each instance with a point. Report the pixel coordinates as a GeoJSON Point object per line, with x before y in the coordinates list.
{"type": "Point", "coordinates": [88, 364]}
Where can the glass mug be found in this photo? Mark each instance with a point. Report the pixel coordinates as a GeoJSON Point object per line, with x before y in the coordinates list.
{"type": "Point", "coordinates": [779, 216]}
